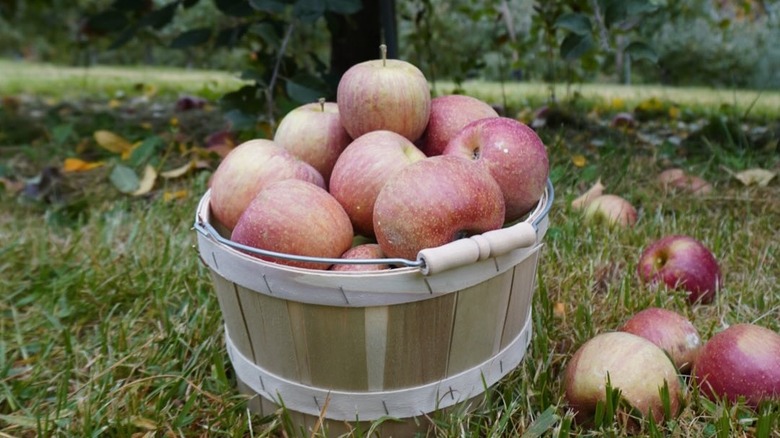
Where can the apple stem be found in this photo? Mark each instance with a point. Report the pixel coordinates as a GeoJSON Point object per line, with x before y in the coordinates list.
{"type": "Point", "coordinates": [383, 49]}
{"type": "Point", "coordinates": [322, 104]}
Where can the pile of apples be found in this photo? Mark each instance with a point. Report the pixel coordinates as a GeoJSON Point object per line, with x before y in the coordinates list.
{"type": "Point", "coordinates": [384, 172]}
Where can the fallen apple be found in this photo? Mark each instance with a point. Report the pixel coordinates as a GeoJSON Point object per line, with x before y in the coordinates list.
{"type": "Point", "coordinates": [436, 201]}
{"type": "Point", "coordinates": [740, 362]}
{"type": "Point", "coordinates": [512, 153]}
{"type": "Point", "coordinates": [247, 169]}
{"type": "Point", "coordinates": [677, 179]}
{"type": "Point", "coordinates": [363, 169]}
{"type": "Point", "coordinates": [635, 366]}
{"type": "Point", "coordinates": [295, 217]}
{"type": "Point", "coordinates": [611, 210]}
{"type": "Point", "coordinates": [450, 114]}
{"type": "Point", "coordinates": [364, 251]}
{"type": "Point", "coordinates": [683, 263]}
{"type": "Point", "coordinates": [669, 330]}
{"type": "Point", "coordinates": [384, 94]}
{"type": "Point", "coordinates": [313, 132]}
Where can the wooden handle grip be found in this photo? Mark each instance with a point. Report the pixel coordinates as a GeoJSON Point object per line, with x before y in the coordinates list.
{"type": "Point", "coordinates": [475, 248]}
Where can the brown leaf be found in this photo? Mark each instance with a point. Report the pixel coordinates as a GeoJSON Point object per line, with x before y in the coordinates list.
{"type": "Point", "coordinates": [79, 165]}
{"type": "Point", "coordinates": [595, 191]}
{"type": "Point", "coordinates": [147, 181]}
{"type": "Point", "coordinates": [179, 171]}
{"type": "Point", "coordinates": [112, 142]}
{"type": "Point", "coordinates": [759, 177]}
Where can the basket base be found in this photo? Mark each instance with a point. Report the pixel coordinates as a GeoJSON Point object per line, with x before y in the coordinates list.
{"type": "Point", "coordinates": [420, 426]}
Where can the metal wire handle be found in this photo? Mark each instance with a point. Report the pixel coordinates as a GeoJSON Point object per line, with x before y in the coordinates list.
{"type": "Point", "coordinates": [206, 229]}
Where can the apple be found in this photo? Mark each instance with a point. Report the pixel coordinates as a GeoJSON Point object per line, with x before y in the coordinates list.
{"type": "Point", "coordinates": [612, 210]}
{"type": "Point", "coordinates": [742, 361]}
{"type": "Point", "coordinates": [512, 153]}
{"type": "Point", "coordinates": [363, 169]}
{"type": "Point", "coordinates": [435, 201]}
{"type": "Point", "coordinates": [677, 179]}
{"type": "Point", "coordinates": [363, 251]}
{"type": "Point", "coordinates": [450, 114]}
{"type": "Point", "coordinates": [669, 330]}
{"type": "Point", "coordinates": [295, 217]}
{"type": "Point", "coordinates": [248, 168]}
{"type": "Point", "coordinates": [384, 94]}
{"type": "Point", "coordinates": [313, 132]}
{"type": "Point", "coordinates": [683, 263]}
{"type": "Point", "coordinates": [635, 365]}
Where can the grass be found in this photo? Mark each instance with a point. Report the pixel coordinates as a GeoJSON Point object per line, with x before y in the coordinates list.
{"type": "Point", "coordinates": [111, 327]}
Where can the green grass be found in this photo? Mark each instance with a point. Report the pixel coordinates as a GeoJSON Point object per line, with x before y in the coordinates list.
{"type": "Point", "coordinates": [110, 325]}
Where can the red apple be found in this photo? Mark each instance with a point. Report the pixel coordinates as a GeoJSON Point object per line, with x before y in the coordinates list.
{"type": "Point", "coordinates": [612, 210]}
{"type": "Point", "coordinates": [677, 179]}
{"type": "Point", "coordinates": [635, 365]}
{"type": "Point", "coordinates": [363, 168]}
{"type": "Point", "coordinates": [295, 217]}
{"type": "Point", "coordinates": [450, 114]}
{"type": "Point", "coordinates": [384, 94]}
{"type": "Point", "coordinates": [669, 330]}
{"type": "Point", "coordinates": [314, 133]}
{"type": "Point", "coordinates": [742, 361]}
{"type": "Point", "coordinates": [364, 251]}
{"type": "Point", "coordinates": [247, 169]}
{"type": "Point", "coordinates": [435, 201]}
{"type": "Point", "coordinates": [684, 263]}
{"type": "Point", "coordinates": [512, 153]}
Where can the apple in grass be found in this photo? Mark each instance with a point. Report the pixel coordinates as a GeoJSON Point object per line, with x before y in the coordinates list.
{"type": "Point", "coordinates": [450, 114]}
{"type": "Point", "coordinates": [364, 251]}
{"type": "Point", "coordinates": [362, 170]}
{"type": "Point", "coordinates": [669, 330]}
{"type": "Point", "coordinates": [247, 169]}
{"type": "Point", "coordinates": [633, 364]}
{"type": "Point", "coordinates": [313, 132]}
{"type": "Point", "coordinates": [741, 362]}
{"type": "Point", "coordinates": [683, 263]}
{"type": "Point", "coordinates": [611, 210]}
{"type": "Point", "coordinates": [295, 217]}
{"type": "Point", "coordinates": [433, 202]}
{"type": "Point", "coordinates": [512, 153]}
{"type": "Point", "coordinates": [384, 94]}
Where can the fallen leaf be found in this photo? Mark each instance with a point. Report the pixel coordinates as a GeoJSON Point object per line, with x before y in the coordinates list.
{"type": "Point", "coordinates": [147, 181]}
{"type": "Point", "coordinates": [124, 179]}
{"type": "Point", "coordinates": [179, 194]}
{"type": "Point", "coordinates": [114, 103]}
{"type": "Point", "coordinates": [594, 192]}
{"type": "Point", "coordinates": [112, 142]}
{"type": "Point", "coordinates": [559, 310]}
{"type": "Point", "coordinates": [79, 165]}
{"type": "Point", "coordinates": [177, 172]}
{"type": "Point", "coordinates": [759, 177]}
{"type": "Point", "coordinates": [579, 160]}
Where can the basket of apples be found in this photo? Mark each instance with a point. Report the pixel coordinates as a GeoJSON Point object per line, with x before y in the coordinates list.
{"type": "Point", "coordinates": [377, 258]}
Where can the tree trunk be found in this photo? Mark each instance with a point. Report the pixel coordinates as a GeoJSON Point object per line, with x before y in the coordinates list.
{"type": "Point", "coordinates": [356, 38]}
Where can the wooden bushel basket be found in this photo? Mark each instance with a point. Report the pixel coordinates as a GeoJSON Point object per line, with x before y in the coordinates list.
{"type": "Point", "coordinates": [350, 348]}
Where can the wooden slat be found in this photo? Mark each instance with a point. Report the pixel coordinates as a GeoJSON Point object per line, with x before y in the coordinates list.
{"type": "Point", "coordinates": [376, 324]}
{"type": "Point", "coordinates": [335, 345]}
{"type": "Point", "coordinates": [230, 306]}
{"type": "Point", "coordinates": [523, 285]}
{"type": "Point", "coordinates": [418, 340]}
{"type": "Point", "coordinates": [479, 317]}
{"type": "Point", "coordinates": [270, 331]}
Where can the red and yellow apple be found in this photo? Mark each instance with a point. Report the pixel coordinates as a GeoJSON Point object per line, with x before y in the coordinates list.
{"type": "Point", "coordinates": [669, 330]}
{"type": "Point", "coordinates": [450, 114]}
{"type": "Point", "coordinates": [366, 251]}
{"type": "Point", "coordinates": [384, 94]}
{"type": "Point", "coordinates": [295, 217]}
{"type": "Point", "coordinates": [313, 132]}
{"type": "Point", "coordinates": [611, 210]}
{"type": "Point", "coordinates": [246, 170]}
{"type": "Point", "coordinates": [436, 201]}
{"type": "Point", "coordinates": [363, 169]}
{"type": "Point", "coordinates": [512, 153]}
{"type": "Point", "coordinates": [683, 263]}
